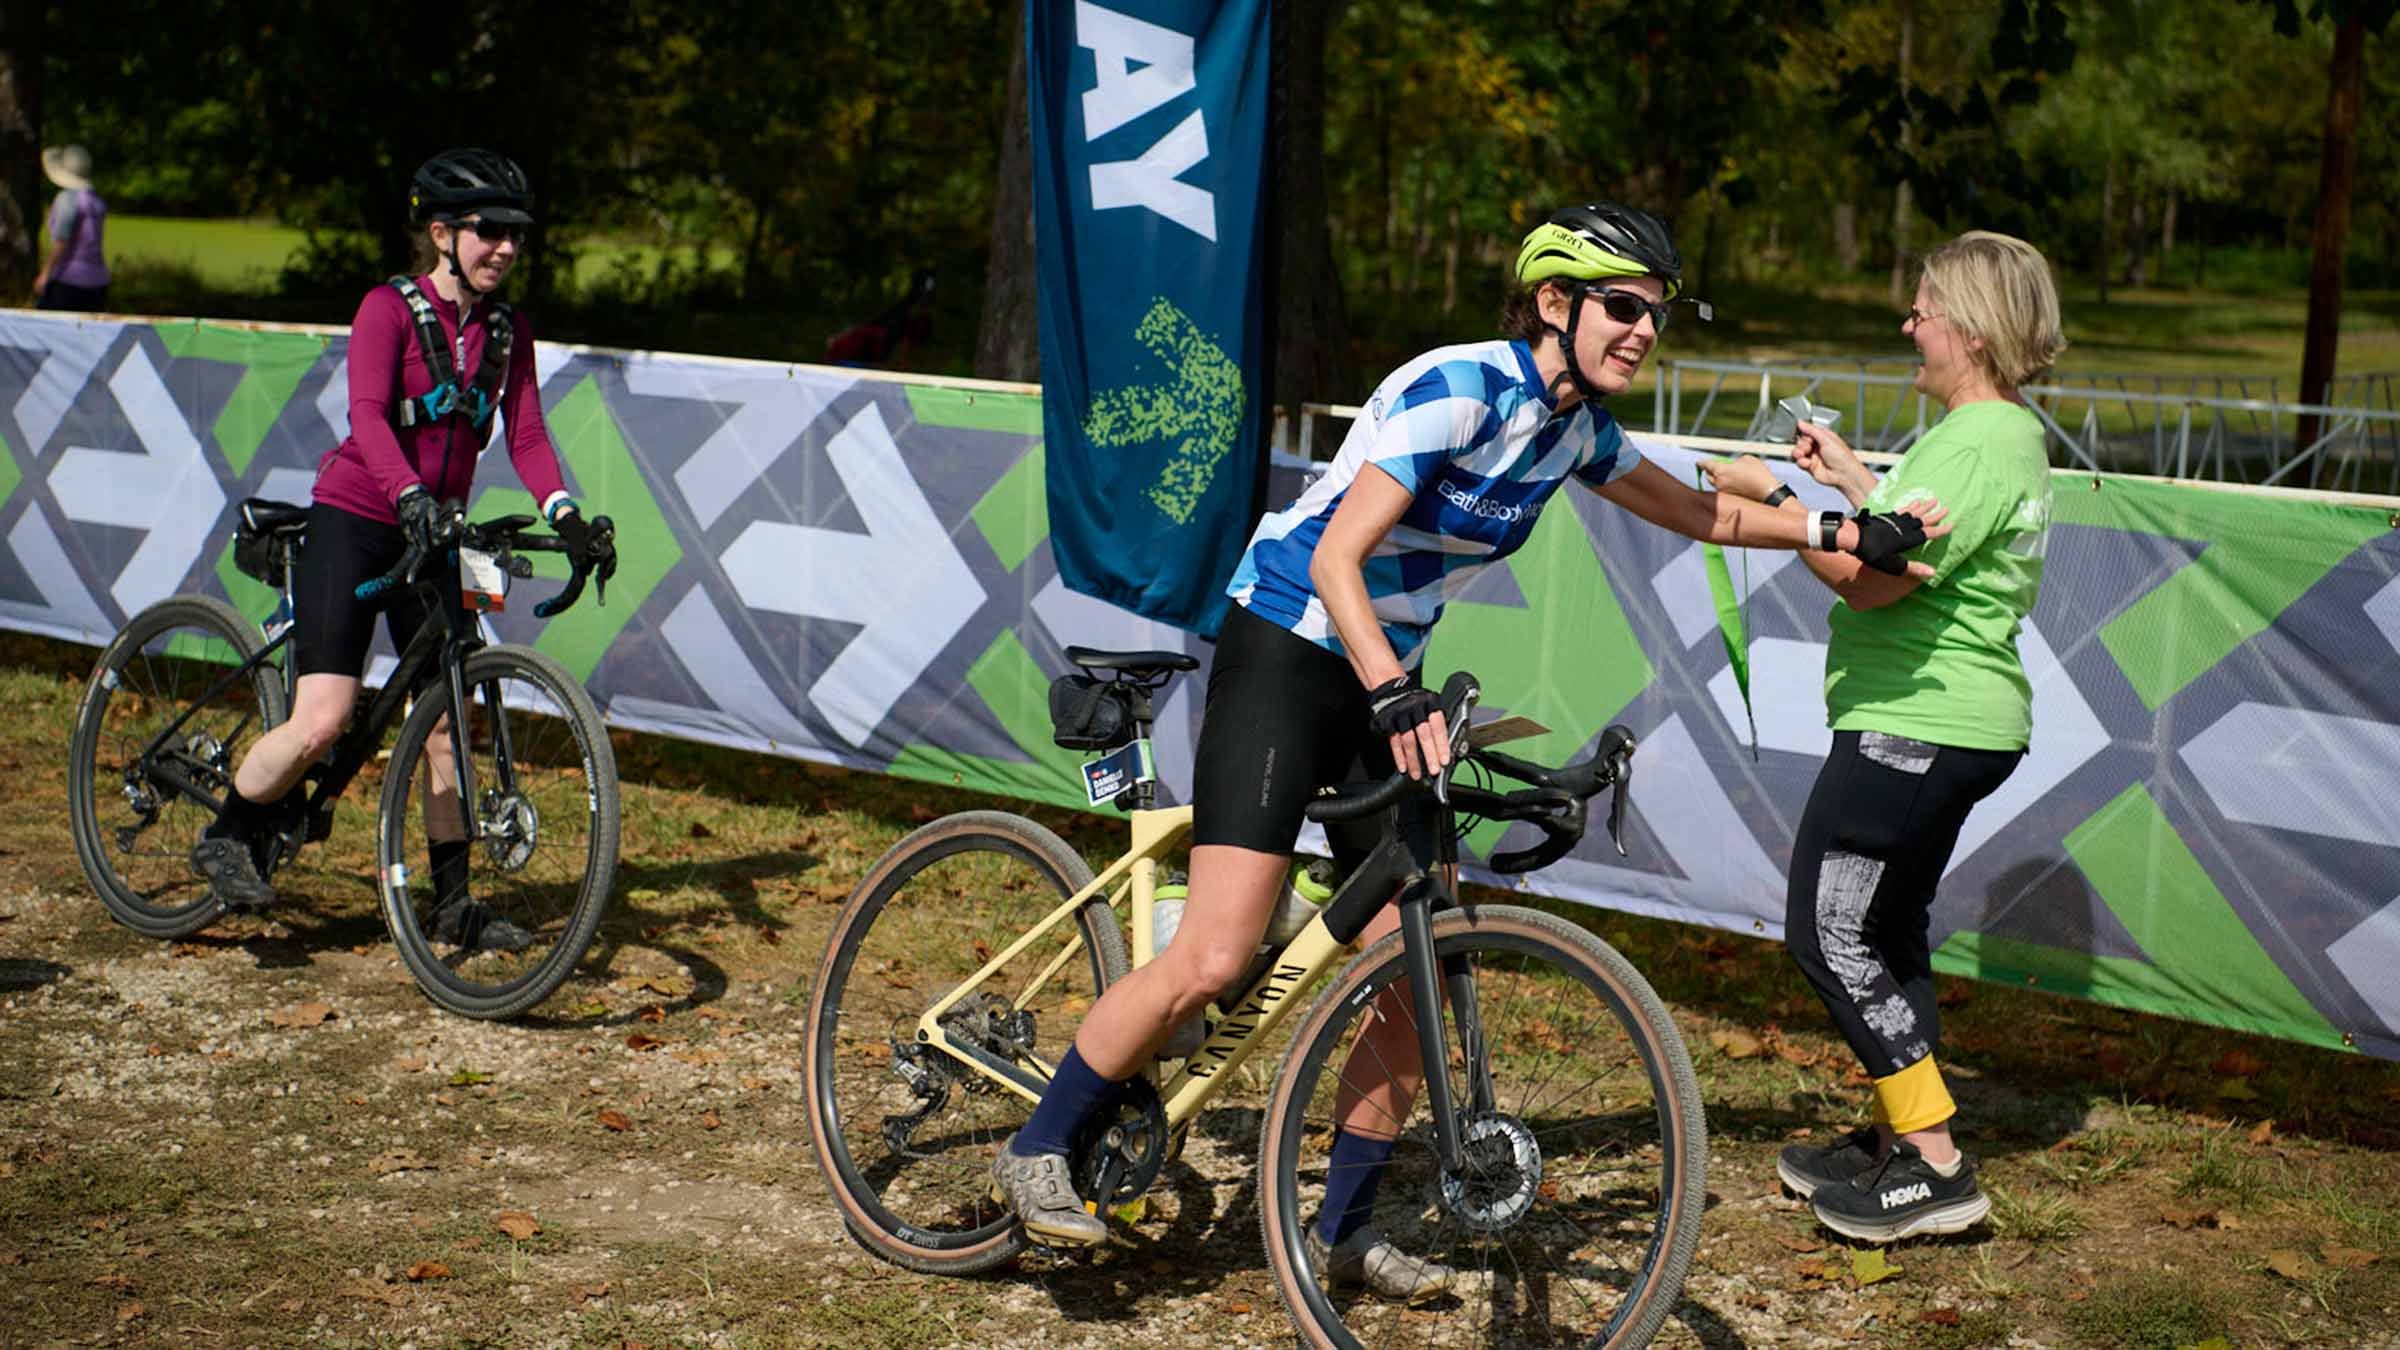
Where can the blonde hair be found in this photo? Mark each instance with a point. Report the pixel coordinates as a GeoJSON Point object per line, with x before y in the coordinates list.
{"type": "Point", "coordinates": [1998, 288]}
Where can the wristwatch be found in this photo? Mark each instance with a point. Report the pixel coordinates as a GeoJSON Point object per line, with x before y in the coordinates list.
{"type": "Point", "coordinates": [1781, 494]}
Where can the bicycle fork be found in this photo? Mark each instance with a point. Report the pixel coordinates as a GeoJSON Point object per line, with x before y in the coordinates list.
{"type": "Point", "coordinates": [1427, 988]}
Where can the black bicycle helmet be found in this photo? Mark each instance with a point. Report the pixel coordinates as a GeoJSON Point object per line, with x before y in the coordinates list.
{"type": "Point", "coordinates": [457, 182]}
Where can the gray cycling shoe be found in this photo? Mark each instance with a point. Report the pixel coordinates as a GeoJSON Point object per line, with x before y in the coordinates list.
{"type": "Point", "coordinates": [465, 923]}
{"type": "Point", "coordinates": [226, 864]}
{"type": "Point", "coordinates": [1366, 1260]}
{"type": "Point", "coordinates": [1039, 1192]}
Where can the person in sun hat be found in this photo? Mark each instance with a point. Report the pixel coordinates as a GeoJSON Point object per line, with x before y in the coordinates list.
{"type": "Point", "coordinates": [75, 274]}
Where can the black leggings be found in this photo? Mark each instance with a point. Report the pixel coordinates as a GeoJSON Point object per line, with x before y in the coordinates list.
{"type": "Point", "coordinates": [1873, 842]}
{"type": "Point", "coordinates": [331, 627]}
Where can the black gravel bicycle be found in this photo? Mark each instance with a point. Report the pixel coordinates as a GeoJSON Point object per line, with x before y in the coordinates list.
{"type": "Point", "coordinates": [189, 683]}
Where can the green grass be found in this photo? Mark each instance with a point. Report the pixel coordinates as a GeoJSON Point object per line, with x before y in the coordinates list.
{"type": "Point", "coordinates": [247, 255]}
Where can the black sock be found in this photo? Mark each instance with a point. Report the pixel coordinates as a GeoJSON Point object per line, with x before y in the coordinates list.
{"type": "Point", "coordinates": [449, 869]}
{"type": "Point", "coordinates": [238, 818]}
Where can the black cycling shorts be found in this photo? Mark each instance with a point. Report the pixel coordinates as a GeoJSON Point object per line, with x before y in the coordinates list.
{"type": "Point", "coordinates": [331, 627]}
{"type": "Point", "coordinates": [1284, 718]}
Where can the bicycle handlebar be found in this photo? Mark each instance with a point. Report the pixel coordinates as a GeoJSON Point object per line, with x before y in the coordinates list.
{"type": "Point", "coordinates": [503, 537]}
{"type": "Point", "coordinates": [1554, 803]}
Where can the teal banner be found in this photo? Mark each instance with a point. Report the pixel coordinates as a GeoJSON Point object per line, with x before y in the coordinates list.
{"type": "Point", "coordinates": [1149, 166]}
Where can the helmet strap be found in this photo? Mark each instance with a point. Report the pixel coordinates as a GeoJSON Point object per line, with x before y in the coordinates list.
{"type": "Point", "coordinates": [1566, 337]}
{"type": "Point", "coordinates": [468, 292]}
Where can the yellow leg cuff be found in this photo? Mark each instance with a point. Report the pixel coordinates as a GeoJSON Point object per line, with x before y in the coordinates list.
{"type": "Point", "coordinates": [1914, 1098]}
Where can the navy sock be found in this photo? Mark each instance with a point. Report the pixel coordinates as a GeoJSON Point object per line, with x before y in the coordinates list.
{"type": "Point", "coordinates": [1351, 1175]}
{"type": "Point", "coordinates": [1069, 1099]}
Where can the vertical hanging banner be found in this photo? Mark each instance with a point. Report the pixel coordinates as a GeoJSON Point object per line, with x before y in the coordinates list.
{"type": "Point", "coordinates": [1149, 169]}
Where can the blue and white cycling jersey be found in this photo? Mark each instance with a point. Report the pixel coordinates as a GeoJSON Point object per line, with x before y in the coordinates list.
{"type": "Point", "coordinates": [1471, 432]}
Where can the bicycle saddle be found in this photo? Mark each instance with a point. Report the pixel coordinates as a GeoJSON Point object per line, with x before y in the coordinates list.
{"type": "Point", "coordinates": [268, 517]}
{"type": "Point", "coordinates": [1139, 665]}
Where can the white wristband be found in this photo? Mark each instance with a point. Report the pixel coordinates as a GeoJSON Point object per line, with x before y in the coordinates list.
{"type": "Point", "coordinates": [1829, 530]}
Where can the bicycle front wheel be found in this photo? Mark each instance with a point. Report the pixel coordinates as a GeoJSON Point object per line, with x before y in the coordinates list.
{"type": "Point", "coordinates": [904, 1132]}
{"type": "Point", "coordinates": [501, 934]}
{"type": "Point", "coordinates": [139, 796]}
{"type": "Point", "coordinates": [1574, 1216]}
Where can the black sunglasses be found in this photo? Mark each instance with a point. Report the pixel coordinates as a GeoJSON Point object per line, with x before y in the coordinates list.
{"type": "Point", "coordinates": [494, 232]}
{"type": "Point", "coordinates": [1628, 307]}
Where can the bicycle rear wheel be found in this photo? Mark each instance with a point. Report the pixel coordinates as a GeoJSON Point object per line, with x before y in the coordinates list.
{"type": "Point", "coordinates": [131, 808]}
{"type": "Point", "coordinates": [1574, 1219]}
{"type": "Point", "coordinates": [545, 784]}
{"type": "Point", "coordinates": [904, 1133]}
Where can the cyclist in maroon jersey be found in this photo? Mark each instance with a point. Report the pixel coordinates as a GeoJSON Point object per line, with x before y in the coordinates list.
{"type": "Point", "coordinates": [433, 357]}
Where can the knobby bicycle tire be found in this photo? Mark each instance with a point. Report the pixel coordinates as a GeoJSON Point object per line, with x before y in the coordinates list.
{"type": "Point", "coordinates": [1577, 1215]}
{"type": "Point", "coordinates": [550, 852]}
{"type": "Point", "coordinates": [134, 838]}
{"type": "Point", "coordinates": [938, 906]}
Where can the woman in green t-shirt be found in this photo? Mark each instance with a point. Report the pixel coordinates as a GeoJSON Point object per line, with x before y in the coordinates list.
{"type": "Point", "coordinates": [1930, 713]}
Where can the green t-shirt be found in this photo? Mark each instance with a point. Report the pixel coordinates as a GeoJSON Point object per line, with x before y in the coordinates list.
{"type": "Point", "coordinates": [1940, 664]}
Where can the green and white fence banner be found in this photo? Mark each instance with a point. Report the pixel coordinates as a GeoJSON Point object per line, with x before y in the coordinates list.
{"type": "Point", "coordinates": [856, 570]}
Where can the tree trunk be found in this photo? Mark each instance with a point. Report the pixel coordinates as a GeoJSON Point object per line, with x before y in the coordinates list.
{"type": "Point", "coordinates": [1908, 146]}
{"type": "Point", "coordinates": [20, 148]}
{"type": "Point", "coordinates": [1450, 253]}
{"type": "Point", "coordinates": [1312, 351]}
{"type": "Point", "coordinates": [1008, 341]}
{"type": "Point", "coordinates": [2108, 227]}
{"type": "Point", "coordinates": [2166, 232]}
{"type": "Point", "coordinates": [2137, 245]}
{"type": "Point", "coordinates": [2334, 176]}
{"type": "Point", "coordinates": [1846, 251]}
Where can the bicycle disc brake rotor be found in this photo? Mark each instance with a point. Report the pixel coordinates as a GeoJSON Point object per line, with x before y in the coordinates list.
{"type": "Point", "coordinates": [1500, 1176]}
{"type": "Point", "coordinates": [1122, 1147]}
{"type": "Point", "coordinates": [511, 829]}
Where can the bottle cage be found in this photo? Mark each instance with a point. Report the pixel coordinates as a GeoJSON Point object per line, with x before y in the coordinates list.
{"type": "Point", "coordinates": [448, 398]}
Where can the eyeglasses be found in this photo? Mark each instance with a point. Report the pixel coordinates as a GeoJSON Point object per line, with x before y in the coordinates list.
{"type": "Point", "coordinates": [494, 232]}
{"type": "Point", "coordinates": [1628, 307]}
{"type": "Point", "coordinates": [1916, 316]}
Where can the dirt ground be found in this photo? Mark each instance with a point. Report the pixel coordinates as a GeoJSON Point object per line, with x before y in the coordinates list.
{"type": "Point", "coordinates": [265, 1135]}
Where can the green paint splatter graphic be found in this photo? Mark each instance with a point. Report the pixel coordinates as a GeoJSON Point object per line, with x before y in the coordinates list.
{"type": "Point", "coordinates": [1201, 410]}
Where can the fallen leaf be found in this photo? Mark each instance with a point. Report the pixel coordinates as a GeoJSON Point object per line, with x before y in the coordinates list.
{"type": "Point", "coordinates": [411, 1064]}
{"type": "Point", "coordinates": [469, 1078]}
{"type": "Point", "coordinates": [518, 1224]}
{"type": "Point", "coordinates": [399, 1160]}
{"type": "Point", "coordinates": [1237, 1308]}
{"type": "Point", "coordinates": [650, 1012]}
{"type": "Point", "coordinates": [113, 1280]}
{"type": "Point", "coordinates": [642, 1040]}
{"type": "Point", "coordinates": [1812, 1269]}
{"type": "Point", "coordinates": [1736, 1044]}
{"type": "Point", "coordinates": [2190, 1218]}
{"type": "Point", "coordinates": [699, 1054]}
{"type": "Point", "coordinates": [2264, 1132]}
{"type": "Point", "coordinates": [428, 1270]}
{"type": "Point", "coordinates": [12, 1258]}
{"type": "Point", "coordinates": [128, 1313]}
{"type": "Point", "coordinates": [2351, 1257]}
{"type": "Point", "coordinates": [309, 1014]}
{"type": "Point", "coordinates": [1940, 1317]}
{"type": "Point", "coordinates": [2237, 1064]}
{"type": "Point", "coordinates": [2237, 1090]}
{"type": "Point", "coordinates": [375, 1291]}
{"type": "Point", "coordinates": [1868, 1266]}
{"type": "Point", "coordinates": [591, 1293]}
{"type": "Point", "coordinates": [770, 936]}
{"type": "Point", "coordinates": [1799, 1244]}
{"type": "Point", "coordinates": [469, 1244]}
{"type": "Point", "coordinates": [750, 1084]}
{"type": "Point", "coordinates": [594, 1008]}
{"type": "Point", "coordinates": [615, 1120]}
{"type": "Point", "coordinates": [445, 1099]}
{"type": "Point", "coordinates": [2291, 1265]}
{"type": "Point", "coordinates": [155, 1050]}
{"type": "Point", "coordinates": [709, 1120]}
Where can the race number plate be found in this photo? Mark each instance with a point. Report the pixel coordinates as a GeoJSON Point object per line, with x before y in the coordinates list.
{"type": "Point", "coordinates": [1110, 775]}
{"type": "Point", "coordinates": [480, 581]}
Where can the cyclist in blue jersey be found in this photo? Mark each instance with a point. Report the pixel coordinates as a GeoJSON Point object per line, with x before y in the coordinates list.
{"type": "Point", "coordinates": [1315, 677]}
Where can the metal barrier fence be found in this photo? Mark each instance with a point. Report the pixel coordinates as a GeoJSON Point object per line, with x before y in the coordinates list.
{"type": "Point", "coordinates": [2099, 422]}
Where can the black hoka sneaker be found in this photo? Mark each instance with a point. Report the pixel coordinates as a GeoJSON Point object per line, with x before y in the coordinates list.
{"type": "Point", "coordinates": [1805, 1167]}
{"type": "Point", "coordinates": [1902, 1196]}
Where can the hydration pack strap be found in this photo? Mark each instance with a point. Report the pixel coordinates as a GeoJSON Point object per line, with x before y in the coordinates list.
{"type": "Point", "coordinates": [448, 398]}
